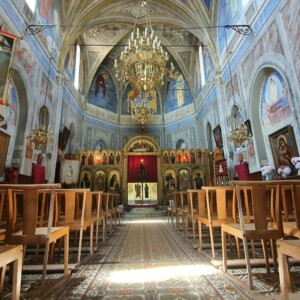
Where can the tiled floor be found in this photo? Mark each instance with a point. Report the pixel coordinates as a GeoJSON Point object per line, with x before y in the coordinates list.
{"type": "Point", "coordinates": [147, 259]}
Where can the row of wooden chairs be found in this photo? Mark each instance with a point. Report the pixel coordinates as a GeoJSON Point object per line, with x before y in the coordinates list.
{"type": "Point", "coordinates": [40, 215]}
{"type": "Point", "coordinates": [266, 211]}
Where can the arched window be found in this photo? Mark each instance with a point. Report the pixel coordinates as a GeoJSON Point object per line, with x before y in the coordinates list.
{"type": "Point", "coordinates": [44, 117]}
{"type": "Point", "coordinates": [202, 74]}
{"type": "Point", "coordinates": [77, 67]}
{"type": "Point", "coordinates": [180, 144]}
{"type": "Point", "coordinates": [31, 4]}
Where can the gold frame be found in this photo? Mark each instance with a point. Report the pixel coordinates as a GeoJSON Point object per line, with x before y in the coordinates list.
{"type": "Point", "coordinates": [288, 134]}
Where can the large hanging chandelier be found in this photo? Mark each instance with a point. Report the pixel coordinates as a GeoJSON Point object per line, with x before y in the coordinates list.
{"type": "Point", "coordinates": [142, 112]}
{"type": "Point", "coordinates": [143, 60]}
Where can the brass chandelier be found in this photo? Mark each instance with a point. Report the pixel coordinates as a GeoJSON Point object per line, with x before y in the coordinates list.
{"type": "Point", "coordinates": [239, 135]}
{"type": "Point", "coordinates": [142, 112]}
{"type": "Point", "coordinates": [41, 136]}
{"type": "Point", "coordinates": [143, 60]}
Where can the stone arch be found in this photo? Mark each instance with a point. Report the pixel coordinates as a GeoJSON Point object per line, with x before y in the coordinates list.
{"type": "Point", "coordinates": [143, 141]}
{"type": "Point", "coordinates": [99, 144]}
{"type": "Point", "coordinates": [21, 117]}
{"type": "Point", "coordinates": [181, 144]}
{"type": "Point", "coordinates": [265, 64]}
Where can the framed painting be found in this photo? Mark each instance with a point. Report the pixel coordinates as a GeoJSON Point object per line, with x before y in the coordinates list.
{"type": "Point", "coordinates": [218, 136]}
{"type": "Point", "coordinates": [69, 171]}
{"type": "Point", "coordinates": [284, 147]}
{"type": "Point", "coordinates": [248, 126]}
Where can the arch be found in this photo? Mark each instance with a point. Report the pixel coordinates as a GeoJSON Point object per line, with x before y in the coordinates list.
{"type": "Point", "coordinates": [99, 144]}
{"type": "Point", "coordinates": [44, 116]}
{"type": "Point", "coordinates": [22, 102]}
{"type": "Point", "coordinates": [181, 144]}
{"type": "Point", "coordinates": [142, 144]}
{"type": "Point", "coordinates": [263, 66]}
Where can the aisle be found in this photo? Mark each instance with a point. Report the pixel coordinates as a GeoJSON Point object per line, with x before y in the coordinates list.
{"type": "Point", "coordinates": [148, 259]}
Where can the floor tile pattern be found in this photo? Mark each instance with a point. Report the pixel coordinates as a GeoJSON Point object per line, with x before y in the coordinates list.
{"type": "Point", "coordinates": [147, 259]}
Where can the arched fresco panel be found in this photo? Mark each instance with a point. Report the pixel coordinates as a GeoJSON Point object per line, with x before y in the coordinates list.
{"type": "Point", "coordinates": [178, 92]}
{"type": "Point", "coordinates": [275, 105]}
{"type": "Point", "coordinates": [102, 92]}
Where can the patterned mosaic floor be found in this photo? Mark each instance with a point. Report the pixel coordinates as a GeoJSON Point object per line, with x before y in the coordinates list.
{"type": "Point", "coordinates": [144, 259]}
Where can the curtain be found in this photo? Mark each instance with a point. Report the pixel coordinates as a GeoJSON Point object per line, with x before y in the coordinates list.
{"type": "Point", "coordinates": [150, 163]}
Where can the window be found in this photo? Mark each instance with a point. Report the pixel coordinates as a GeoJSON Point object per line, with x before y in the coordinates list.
{"type": "Point", "coordinates": [77, 67]}
{"type": "Point", "coordinates": [202, 74]}
{"type": "Point", "coordinates": [31, 4]}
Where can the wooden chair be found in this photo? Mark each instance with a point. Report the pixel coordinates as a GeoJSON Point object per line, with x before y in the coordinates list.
{"type": "Point", "coordinates": [259, 229]}
{"type": "Point", "coordinates": [93, 211]}
{"type": "Point", "coordinates": [171, 210]}
{"type": "Point", "coordinates": [177, 201]}
{"type": "Point", "coordinates": [286, 248]}
{"type": "Point", "coordinates": [3, 214]}
{"type": "Point", "coordinates": [192, 214]}
{"type": "Point", "coordinates": [182, 210]}
{"type": "Point", "coordinates": [113, 206]}
{"type": "Point", "coordinates": [218, 209]}
{"type": "Point", "coordinates": [22, 225]}
{"type": "Point", "coordinates": [107, 211]}
{"type": "Point", "coordinates": [70, 211]}
{"type": "Point", "coordinates": [14, 255]}
{"type": "Point", "coordinates": [291, 217]}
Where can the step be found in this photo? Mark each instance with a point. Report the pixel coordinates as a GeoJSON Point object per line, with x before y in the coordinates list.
{"type": "Point", "coordinates": [145, 212]}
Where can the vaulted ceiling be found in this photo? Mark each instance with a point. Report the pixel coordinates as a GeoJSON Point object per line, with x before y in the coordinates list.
{"type": "Point", "coordinates": [103, 26]}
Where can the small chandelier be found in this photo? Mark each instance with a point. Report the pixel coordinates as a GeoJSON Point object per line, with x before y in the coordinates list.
{"type": "Point", "coordinates": [41, 136]}
{"type": "Point", "coordinates": [239, 134]}
{"type": "Point", "coordinates": [142, 112]}
{"type": "Point", "coordinates": [143, 60]}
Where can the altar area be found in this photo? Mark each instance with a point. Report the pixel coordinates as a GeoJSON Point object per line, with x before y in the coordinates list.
{"type": "Point", "coordinates": [142, 193]}
{"type": "Point", "coordinates": [142, 172]}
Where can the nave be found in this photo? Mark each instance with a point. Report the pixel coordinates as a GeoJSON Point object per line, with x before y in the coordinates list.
{"type": "Point", "coordinates": [148, 259]}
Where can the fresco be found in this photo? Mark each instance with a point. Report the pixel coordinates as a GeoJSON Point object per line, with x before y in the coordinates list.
{"type": "Point", "coordinates": [228, 14]}
{"type": "Point", "coordinates": [9, 112]}
{"type": "Point", "coordinates": [207, 63]}
{"type": "Point", "coordinates": [197, 80]}
{"type": "Point", "coordinates": [275, 106]}
{"type": "Point", "coordinates": [178, 92]}
{"type": "Point", "coordinates": [46, 88]}
{"type": "Point", "coordinates": [6, 47]}
{"type": "Point", "coordinates": [72, 121]}
{"type": "Point", "coordinates": [81, 76]}
{"type": "Point", "coordinates": [69, 65]}
{"type": "Point", "coordinates": [47, 13]}
{"type": "Point", "coordinates": [102, 92]}
{"type": "Point", "coordinates": [133, 97]}
{"type": "Point", "coordinates": [25, 58]}
{"type": "Point", "coordinates": [207, 3]}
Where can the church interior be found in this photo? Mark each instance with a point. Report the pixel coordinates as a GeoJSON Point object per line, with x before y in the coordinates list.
{"type": "Point", "coordinates": [149, 149]}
